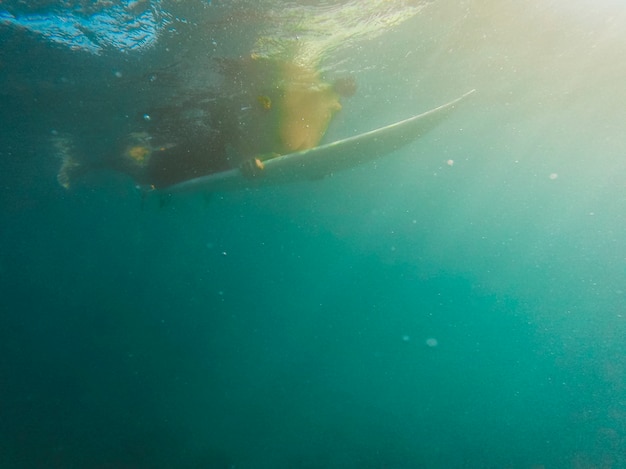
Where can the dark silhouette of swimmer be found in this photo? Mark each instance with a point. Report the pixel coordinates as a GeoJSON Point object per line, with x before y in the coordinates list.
{"type": "Point", "coordinates": [264, 108]}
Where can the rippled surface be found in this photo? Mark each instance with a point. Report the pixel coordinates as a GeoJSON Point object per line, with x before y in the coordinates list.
{"type": "Point", "coordinates": [125, 26]}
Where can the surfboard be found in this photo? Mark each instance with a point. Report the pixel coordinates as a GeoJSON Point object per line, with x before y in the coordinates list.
{"type": "Point", "coordinates": [325, 159]}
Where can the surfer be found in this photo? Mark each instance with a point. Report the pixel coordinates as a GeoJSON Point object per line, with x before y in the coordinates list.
{"type": "Point", "coordinates": [262, 109]}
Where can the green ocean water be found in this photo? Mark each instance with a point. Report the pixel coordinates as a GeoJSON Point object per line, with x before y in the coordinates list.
{"type": "Point", "coordinates": [460, 304]}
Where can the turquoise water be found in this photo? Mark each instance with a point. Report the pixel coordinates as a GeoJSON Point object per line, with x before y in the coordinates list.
{"type": "Point", "coordinates": [458, 305]}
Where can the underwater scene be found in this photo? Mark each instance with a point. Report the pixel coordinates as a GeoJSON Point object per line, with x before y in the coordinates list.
{"type": "Point", "coordinates": [208, 260]}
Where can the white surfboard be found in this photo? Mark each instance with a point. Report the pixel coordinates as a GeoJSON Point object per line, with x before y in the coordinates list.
{"type": "Point", "coordinates": [325, 159]}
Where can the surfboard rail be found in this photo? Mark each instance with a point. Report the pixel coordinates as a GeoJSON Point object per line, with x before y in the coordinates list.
{"type": "Point", "coordinates": [326, 159]}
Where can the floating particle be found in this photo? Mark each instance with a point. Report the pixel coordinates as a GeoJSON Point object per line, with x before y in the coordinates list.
{"type": "Point", "coordinates": [432, 342]}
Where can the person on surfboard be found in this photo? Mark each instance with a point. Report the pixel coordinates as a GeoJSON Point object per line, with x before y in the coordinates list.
{"type": "Point", "coordinates": [264, 108]}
